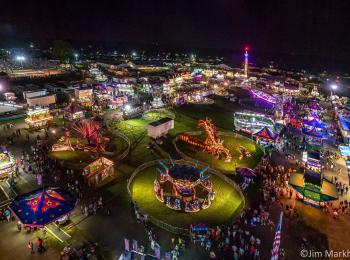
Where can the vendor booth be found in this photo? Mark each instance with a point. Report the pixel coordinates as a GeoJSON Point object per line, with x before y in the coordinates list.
{"type": "Point", "coordinates": [312, 188]}
{"type": "Point", "coordinates": [98, 171]}
{"type": "Point", "coordinates": [7, 165]}
{"type": "Point", "coordinates": [38, 117]}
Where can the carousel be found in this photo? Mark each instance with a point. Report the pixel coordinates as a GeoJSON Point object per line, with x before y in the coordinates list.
{"type": "Point", "coordinates": [183, 187]}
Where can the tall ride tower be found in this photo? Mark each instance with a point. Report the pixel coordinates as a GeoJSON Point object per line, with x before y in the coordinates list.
{"type": "Point", "coordinates": [246, 49]}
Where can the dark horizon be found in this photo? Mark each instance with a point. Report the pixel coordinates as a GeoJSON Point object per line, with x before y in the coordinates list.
{"type": "Point", "coordinates": [296, 28]}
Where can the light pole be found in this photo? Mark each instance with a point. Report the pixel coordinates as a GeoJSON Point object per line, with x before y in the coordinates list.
{"type": "Point", "coordinates": [20, 58]}
{"type": "Point", "coordinates": [333, 88]}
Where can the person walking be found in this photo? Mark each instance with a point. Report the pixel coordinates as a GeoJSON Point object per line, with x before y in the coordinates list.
{"type": "Point", "coordinates": [41, 247]}
{"type": "Point", "coordinates": [31, 247]}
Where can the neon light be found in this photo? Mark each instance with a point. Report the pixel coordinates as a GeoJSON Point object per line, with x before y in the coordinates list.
{"type": "Point", "coordinates": [212, 143]}
{"type": "Point", "coordinates": [264, 96]}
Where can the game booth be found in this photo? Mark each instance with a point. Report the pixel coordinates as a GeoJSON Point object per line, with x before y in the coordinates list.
{"type": "Point", "coordinates": [7, 165]}
{"type": "Point", "coordinates": [345, 153]}
{"type": "Point", "coordinates": [97, 106]}
{"type": "Point", "coordinates": [43, 206]}
{"type": "Point", "coordinates": [312, 188]}
{"type": "Point", "coordinates": [73, 112]}
{"type": "Point", "coordinates": [312, 160]}
{"type": "Point", "coordinates": [265, 137]}
{"type": "Point", "coordinates": [183, 187]}
{"type": "Point", "coordinates": [314, 136]}
{"type": "Point", "coordinates": [314, 106]}
{"type": "Point", "coordinates": [38, 117]}
{"type": "Point", "coordinates": [97, 171]}
{"type": "Point", "coordinates": [199, 232]}
{"type": "Point", "coordinates": [84, 96]}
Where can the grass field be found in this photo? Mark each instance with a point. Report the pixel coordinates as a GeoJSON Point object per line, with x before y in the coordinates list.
{"type": "Point", "coordinates": [231, 143]}
{"type": "Point", "coordinates": [226, 205]}
{"type": "Point", "coordinates": [71, 156]}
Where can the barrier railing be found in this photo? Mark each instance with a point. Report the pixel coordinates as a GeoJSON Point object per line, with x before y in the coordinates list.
{"type": "Point", "coordinates": [166, 226]}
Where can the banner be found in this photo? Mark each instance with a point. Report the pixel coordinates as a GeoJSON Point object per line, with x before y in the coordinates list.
{"type": "Point", "coordinates": [39, 178]}
{"type": "Point", "coordinates": [126, 244]}
{"type": "Point", "coordinates": [135, 245]}
{"type": "Point", "coordinates": [168, 256]}
{"type": "Point", "coordinates": [157, 252]}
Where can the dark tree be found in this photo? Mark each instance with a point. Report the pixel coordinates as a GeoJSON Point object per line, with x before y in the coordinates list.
{"type": "Point", "coordinates": [62, 51]}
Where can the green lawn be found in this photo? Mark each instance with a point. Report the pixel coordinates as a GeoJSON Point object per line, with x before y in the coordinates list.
{"type": "Point", "coordinates": [71, 156]}
{"type": "Point", "coordinates": [231, 143]}
{"type": "Point", "coordinates": [226, 205]}
{"type": "Point", "coordinates": [221, 112]}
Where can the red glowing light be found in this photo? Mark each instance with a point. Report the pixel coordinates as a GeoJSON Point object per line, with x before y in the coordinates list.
{"type": "Point", "coordinates": [246, 48]}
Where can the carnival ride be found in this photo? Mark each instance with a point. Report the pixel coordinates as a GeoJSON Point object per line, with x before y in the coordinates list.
{"type": "Point", "coordinates": [43, 206]}
{"type": "Point", "coordinates": [262, 96]}
{"type": "Point", "coordinates": [250, 122]}
{"type": "Point", "coordinates": [212, 144]}
{"type": "Point", "coordinates": [89, 130]}
{"type": "Point", "coordinates": [89, 139]}
{"type": "Point", "coordinates": [185, 182]}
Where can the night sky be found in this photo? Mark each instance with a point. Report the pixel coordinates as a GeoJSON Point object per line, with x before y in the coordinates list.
{"type": "Point", "coordinates": [282, 26]}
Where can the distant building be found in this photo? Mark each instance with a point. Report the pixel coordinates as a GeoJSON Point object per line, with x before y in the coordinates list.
{"type": "Point", "coordinates": [118, 101]}
{"type": "Point", "coordinates": [36, 93]}
{"type": "Point", "coordinates": [160, 127]}
{"type": "Point", "coordinates": [84, 96]}
{"type": "Point", "coordinates": [42, 101]}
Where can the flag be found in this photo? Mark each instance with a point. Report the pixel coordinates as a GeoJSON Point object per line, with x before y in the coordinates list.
{"type": "Point", "coordinates": [277, 240]}
{"type": "Point", "coordinates": [135, 246]}
{"type": "Point", "coordinates": [39, 178]}
{"type": "Point", "coordinates": [168, 256]}
{"type": "Point", "coordinates": [157, 252]}
{"type": "Point", "coordinates": [126, 244]}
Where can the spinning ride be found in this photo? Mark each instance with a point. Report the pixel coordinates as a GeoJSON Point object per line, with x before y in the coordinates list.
{"type": "Point", "coordinates": [90, 131]}
{"type": "Point", "coordinates": [183, 187]}
{"type": "Point", "coordinates": [264, 99]}
{"type": "Point", "coordinates": [212, 143]}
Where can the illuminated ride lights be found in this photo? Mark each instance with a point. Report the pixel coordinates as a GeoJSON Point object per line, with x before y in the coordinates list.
{"type": "Point", "coordinates": [251, 122]}
{"type": "Point", "coordinates": [246, 62]}
{"type": "Point", "coordinates": [184, 180]}
{"type": "Point", "coordinates": [212, 144]}
{"type": "Point", "coordinates": [38, 117]}
{"type": "Point", "coordinates": [263, 96]}
{"type": "Point", "coordinates": [7, 165]}
{"type": "Point", "coordinates": [90, 130]}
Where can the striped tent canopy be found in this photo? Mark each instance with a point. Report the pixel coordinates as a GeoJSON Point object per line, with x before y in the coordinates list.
{"type": "Point", "coordinates": [43, 206]}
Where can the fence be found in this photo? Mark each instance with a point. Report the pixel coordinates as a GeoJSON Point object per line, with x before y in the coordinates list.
{"type": "Point", "coordinates": [126, 139]}
{"type": "Point", "coordinates": [127, 150]}
{"type": "Point", "coordinates": [168, 227]}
